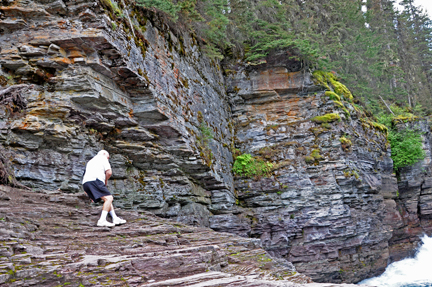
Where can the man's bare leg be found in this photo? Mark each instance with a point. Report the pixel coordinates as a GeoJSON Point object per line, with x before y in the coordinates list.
{"type": "Point", "coordinates": [105, 209]}
{"type": "Point", "coordinates": [107, 206]}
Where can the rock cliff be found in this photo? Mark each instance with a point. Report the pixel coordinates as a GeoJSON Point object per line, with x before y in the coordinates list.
{"type": "Point", "coordinates": [79, 76]}
{"type": "Point", "coordinates": [91, 79]}
{"type": "Point", "coordinates": [414, 201]}
{"type": "Point", "coordinates": [325, 207]}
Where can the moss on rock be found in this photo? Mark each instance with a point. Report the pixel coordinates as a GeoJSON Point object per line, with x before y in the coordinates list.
{"type": "Point", "coordinates": [404, 118]}
{"type": "Point", "coordinates": [327, 118]}
{"type": "Point", "coordinates": [314, 157]}
{"type": "Point", "coordinates": [326, 78]}
{"type": "Point", "coordinates": [343, 108]}
{"type": "Point", "coordinates": [333, 96]}
{"type": "Point", "coordinates": [345, 142]}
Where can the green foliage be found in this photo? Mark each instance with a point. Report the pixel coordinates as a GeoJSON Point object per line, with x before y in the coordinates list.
{"type": "Point", "coordinates": [246, 165]}
{"type": "Point", "coordinates": [206, 132]}
{"type": "Point", "coordinates": [204, 141]}
{"type": "Point", "coordinates": [373, 55]}
{"type": "Point", "coordinates": [400, 114]}
{"type": "Point", "coordinates": [406, 147]}
{"type": "Point", "coordinates": [166, 6]}
{"type": "Point", "coordinates": [406, 144]}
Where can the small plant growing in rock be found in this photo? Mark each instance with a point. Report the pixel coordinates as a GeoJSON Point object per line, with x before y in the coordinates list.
{"type": "Point", "coordinates": [204, 140]}
{"type": "Point", "coordinates": [206, 132]}
{"type": "Point", "coordinates": [249, 166]}
{"type": "Point", "coordinates": [345, 142]}
{"type": "Point", "coordinates": [113, 7]}
{"type": "Point", "coordinates": [314, 157]}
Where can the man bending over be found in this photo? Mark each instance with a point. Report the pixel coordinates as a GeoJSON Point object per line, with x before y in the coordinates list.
{"type": "Point", "coordinates": [97, 173]}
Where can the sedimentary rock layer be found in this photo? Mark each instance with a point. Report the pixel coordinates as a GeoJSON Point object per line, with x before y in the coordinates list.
{"type": "Point", "coordinates": [79, 76]}
{"type": "Point", "coordinates": [50, 239]}
{"type": "Point", "coordinates": [324, 207]}
{"type": "Point", "coordinates": [91, 79]}
{"type": "Point", "coordinates": [414, 201]}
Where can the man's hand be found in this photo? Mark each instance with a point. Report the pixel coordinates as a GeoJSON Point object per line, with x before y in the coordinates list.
{"type": "Point", "coordinates": [108, 174]}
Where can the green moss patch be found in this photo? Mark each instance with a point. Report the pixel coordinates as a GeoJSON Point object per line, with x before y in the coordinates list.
{"type": "Point", "coordinates": [369, 124]}
{"type": "Point", "coordinates": [327, 118]}
{"type": "Point", "coordinates": [333, 96]}
{"type": "Point", "coordinates": [343, 108]}
{"type": "Point", "coordinates": [314, 157]}
{"type": "Point", "coordinates": [345, 142]}
{"type": "Point", "coordinates": [408, 117]}
{"type": "Point", "coordinates": [380, 127]}
{"type": "Point", "coordinates": [113, 7]}
{"type": "Point", "coordinates": [331, 83]}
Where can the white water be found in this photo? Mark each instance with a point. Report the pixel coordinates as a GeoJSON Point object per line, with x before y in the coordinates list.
{"type": "Point", "coordinates": [410, 272]}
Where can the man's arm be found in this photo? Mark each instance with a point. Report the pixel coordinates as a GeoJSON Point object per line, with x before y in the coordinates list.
{"type": "Point", "coordinates": [108, 174]}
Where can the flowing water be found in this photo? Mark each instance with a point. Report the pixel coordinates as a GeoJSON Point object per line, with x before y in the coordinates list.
{"type": "Point", "coordinates": [410, 272]}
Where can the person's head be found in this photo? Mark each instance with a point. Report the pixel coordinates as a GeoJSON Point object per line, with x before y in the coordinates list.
{"type": "Point", "coordinates": [104, 153]}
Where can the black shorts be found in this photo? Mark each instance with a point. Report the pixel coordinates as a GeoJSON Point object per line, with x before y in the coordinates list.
{"type": "Point", "coordinates": [96, 189]}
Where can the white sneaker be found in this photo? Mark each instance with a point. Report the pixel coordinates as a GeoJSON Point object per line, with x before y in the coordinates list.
{"type": "Point", "coordinates": [119, 221]}
{"type": "Point", "coordinates": [104, 223]}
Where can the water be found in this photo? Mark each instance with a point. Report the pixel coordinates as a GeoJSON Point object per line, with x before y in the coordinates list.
{"type": "Point", "coordinates": [410, 272]}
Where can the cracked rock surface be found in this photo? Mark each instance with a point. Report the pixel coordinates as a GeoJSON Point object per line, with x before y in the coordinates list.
{"type": "Point", "coordinates": [50, 239]}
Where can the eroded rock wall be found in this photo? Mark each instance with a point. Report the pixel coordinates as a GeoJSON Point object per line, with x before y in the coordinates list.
{"type": "Point", "coordinates": [414, 201]}
{"type": "Point", "coordinates": [328, 205]}
{"type": "Point", "coordinates": [94, 79]}
{"type": "Point", "coordinates": [79, 76]}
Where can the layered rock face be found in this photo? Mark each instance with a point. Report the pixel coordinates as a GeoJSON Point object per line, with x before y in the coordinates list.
{"type": "Point", "coordinates": [79, 76]}
{"type": "Point", "coordinates": [326, 207]}
{"type": "Point", "coordinates": [414, 202]}
{"type": "Point", "coordinates": [91, 79]}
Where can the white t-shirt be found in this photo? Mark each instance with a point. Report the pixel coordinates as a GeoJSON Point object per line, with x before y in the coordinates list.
{"type": "Point", "coordinates": [96, 168]}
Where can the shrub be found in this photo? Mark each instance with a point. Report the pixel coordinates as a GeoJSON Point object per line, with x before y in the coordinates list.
{"type": "Point", "coordinates": [249, 166]}
{"type": "Point", "coordinates": [206, 132]}
{"type": "Point", "coordinates": [406, 147]}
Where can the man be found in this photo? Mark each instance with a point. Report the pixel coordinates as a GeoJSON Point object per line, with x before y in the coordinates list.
{"type": "Point", "coordinates": [97, 173]}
